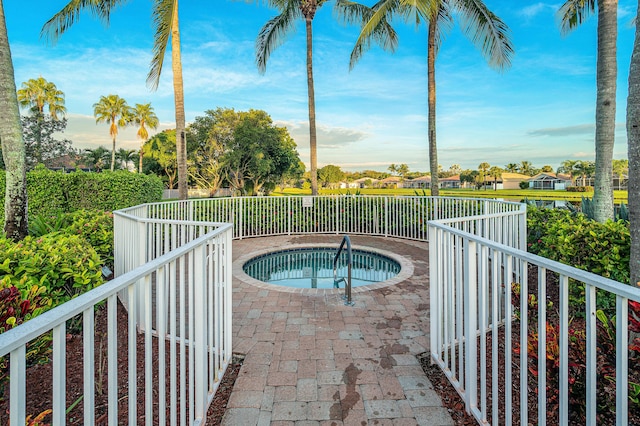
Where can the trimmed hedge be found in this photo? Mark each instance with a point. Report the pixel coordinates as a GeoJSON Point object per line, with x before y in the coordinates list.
{"type": "Point", "coordinates": [51, 193]}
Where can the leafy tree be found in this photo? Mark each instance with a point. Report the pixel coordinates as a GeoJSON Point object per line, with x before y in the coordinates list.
{"type": "Point", "coordinates": [483, 172]}
{"type": "Point", "coordinates": [330, 174]}
{"type": "Point", "coordinates": [96, 158]}
{"type": "Point", "coordinates": [547, 169]}
{"type": "Point", "coordinates": [572, 14]}
{"type": "Point", "coordinates": [114, 110]}
{"type": "Point", "coordinates": [479, 24]}
{"type": "Point", "coordinates": [633, 152]}
{"type": "Point", "coordinates": [260, 154]}
{"type": "Point", "coordinates": [393, 169]}
{"type": "Point", "coordinates": [13, 150]}
{"type": "Point", "coordinates": [143, 116]}
{"type": "Point", "coordinates": [162, 148]}
{"type": "Point", "coordinates": [455, 169]}
{"type": "Point", "coordinates": [40, 145]}
{"type": "Point", "coordinates": [208, 136]}
{"type": "Point", "coordinates": [403, 170]}
{"type": "Point", "coordinates": [620, 168]}
{"type": "Point", "coordinates": [469, 176]}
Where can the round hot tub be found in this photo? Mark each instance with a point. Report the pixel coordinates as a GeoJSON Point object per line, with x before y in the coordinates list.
{"type": "Point", "coordinates": [312, 268]}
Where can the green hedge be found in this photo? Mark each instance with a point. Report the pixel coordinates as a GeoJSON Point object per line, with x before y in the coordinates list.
{"type": "Point", "coordinates": [51, 193]}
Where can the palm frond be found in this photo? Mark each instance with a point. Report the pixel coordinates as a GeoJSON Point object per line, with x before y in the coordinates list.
{"type": "Point", "coordinates": [375, 26]}
{"type": "Point", "coordinates": [273, 33]}
{"type": "Point", "coordinates": [487, 32]}
{"type": "Point", "coordinates": [70, 14]}
{"type": "Point", "coordinates": [573, 13]}
{"type": "Point", "coordinates": [444, 20]}
{"type": "Point", "coordinates": [162, 21]}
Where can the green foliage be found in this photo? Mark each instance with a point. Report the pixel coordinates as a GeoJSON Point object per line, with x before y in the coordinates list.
{"type": "Point", "coordinates": [97, 228]}
{"type": "Point", "coordinates": [329, 175]}
{"type": "Point", "coordinates": [52, 193]}
{"type": "Point", "coordinates": [524, 185]}
{"type": "Point", "coordinates": [66, 265]}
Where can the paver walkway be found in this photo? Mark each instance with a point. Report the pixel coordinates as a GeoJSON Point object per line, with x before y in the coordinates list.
{"type": "Point", "coordinates": [310, 360]}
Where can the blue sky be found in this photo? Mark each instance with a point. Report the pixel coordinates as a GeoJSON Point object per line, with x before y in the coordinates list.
{"type": "Point", "coordinates": [541, 109]}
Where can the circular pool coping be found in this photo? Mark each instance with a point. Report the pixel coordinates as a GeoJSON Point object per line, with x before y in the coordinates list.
{"type": "Point", "coordinates": [406, 270]}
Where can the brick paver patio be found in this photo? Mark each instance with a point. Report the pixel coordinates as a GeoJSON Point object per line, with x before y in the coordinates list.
{"type": "Point", "coordinates": [310, 360]}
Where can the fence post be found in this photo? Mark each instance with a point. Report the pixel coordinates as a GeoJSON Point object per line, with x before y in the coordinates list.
{"type": "Point", "coordinates": [470, 322]}
{"type": "Point", "coordinates": [434, 294]}
{"type": "Point", "coordinates": [200, 331]}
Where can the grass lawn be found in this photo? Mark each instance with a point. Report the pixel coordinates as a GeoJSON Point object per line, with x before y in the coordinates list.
{"type": "Point", "coordinates": [509, 194]}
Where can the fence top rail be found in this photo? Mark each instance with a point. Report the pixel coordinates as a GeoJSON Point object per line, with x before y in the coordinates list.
{"type": "Point", "coordinates": [480, 216]}
{"type": "Point", "coordinates": [615, 287]}
{"type": "Point", "coordinates": [168, 221]}
{"type": "Point", "coordinates": [33, 328]}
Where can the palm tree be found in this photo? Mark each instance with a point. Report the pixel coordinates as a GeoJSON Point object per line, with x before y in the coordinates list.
{"type": "Point", "coordinates": [568, 167]}
{"type": "Point", "coordinates": [272, 35]}
{"type": "Point", "coordinates": [481, 26]}
{"type": "Point", "coordinates": [13, 150]}
{"type": "Point", "coordinates": [165, 20]}
{"type": "Point", "coordinates": [483, 168]}
{"type": "Point", "coordinates": [526, 168]}
{"type": "Point", "coordinates": [511, 168]}
{"type": "Point", "coordinates": [620, 167]}
{"type": "Point", "coordinates": [633, 153]}
{"type": "Point", "coordinates": [35, 94]}
{"type": "Point", "coordinates": [572, 14]}
{"type": "Point", "coordinates": [95, 157]}
{"type": "Point", "coordinates": [126, 156]}
{"type": "Point", "coordinates": [495, 172]}
{"type": "Point", "coordinates": [114, 110]}
{"type": "Point", "coordinates": [143, 115]}
{"type": "Point", "coordinates": [585, 169]}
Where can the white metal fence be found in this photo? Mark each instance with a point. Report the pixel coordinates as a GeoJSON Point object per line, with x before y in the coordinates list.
{"type": "Point", "coordinates": [184, 292]}
{"type": "Point", "coordinates": [493, 332]}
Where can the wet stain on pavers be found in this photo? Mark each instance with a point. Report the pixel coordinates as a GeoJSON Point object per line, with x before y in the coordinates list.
{"type": "Point", "coordinates": [386, 360]}
{"type": "Point", "coordinates": [393, 322]}
{"type": "Point", "coordinates": [341, 408]}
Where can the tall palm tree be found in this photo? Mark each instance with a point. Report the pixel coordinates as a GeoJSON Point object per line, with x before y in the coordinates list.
{"type": "Point", "coordinates": [38, 93]}
{"type": "Point", "coordinates": [272, 35]}
{"type": "Point", "coordinates": [165, 21]}
{"type": "Point", "coordinates": [126, 156]}
{"type": "Point", "coordinates": [568, 167]}
{"type": "Point", "coordinates": [511, 168]}
{"type": "Point", "coordinates": [526, 168]}
{"type": "Point", "coordinates": [479, 24]}
{"type": "Point", "coordinates": [13, 150]}
{"type": "Point", "coordinates": [572, 14]}
{"type": "Point", "coordinates": [483, 168]}
{"type": "Point", "coordinates": [143, 115]}
{"type": "Point", "coordinates": [95, 157]}
{"type": "Point", "coordinates": [633, 153]}
{"type": "Point", "coordinates": [114, 110]}
{"type": "Point", "coordinates": [496, 173]}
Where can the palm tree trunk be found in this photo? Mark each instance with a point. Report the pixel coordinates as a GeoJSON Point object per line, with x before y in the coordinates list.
{"type": "Point", "coordinates": [13, 151]}
{"type": "Point", "coordinates": [633, 152]}
{"type": "Point", "coordinates": [312, 111]}
{"type": "Point", "coordinates": [113, 153]}
{"type": "Point", "coordinates": [606, 75]}
{"type": "Point", "coordinates": [431, 89]}
{"type": "Point", "coordinates": [178, 90]}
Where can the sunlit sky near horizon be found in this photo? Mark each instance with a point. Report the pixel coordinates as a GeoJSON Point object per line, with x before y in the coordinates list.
{"type": "Point", "coordinates": [542, 109]}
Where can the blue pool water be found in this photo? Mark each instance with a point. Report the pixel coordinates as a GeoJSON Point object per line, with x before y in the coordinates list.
{"type": "Point", "coordinates": [313, 268]}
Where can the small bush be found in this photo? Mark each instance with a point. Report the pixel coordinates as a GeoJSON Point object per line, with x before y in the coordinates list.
{"type": "Point", "coordinates": [579, 188]}
{"type": "Point", "coordinates": [524, 184]}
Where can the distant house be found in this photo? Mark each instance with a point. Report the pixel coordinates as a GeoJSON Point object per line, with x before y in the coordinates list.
{"type": "Point", "coordinates": [67, 163]}
{"type": "Point", "coordinates": [352, 184]}
{"type": "Point", "coordinates": [422, 182]}
{"type": "Point", "coordinates": [550, 181]}
{"type": "Point", "coordinates": [391, 182]}
{"type": "Point", "coordinates": [507, 180]}
{"type": "Point", "coordinates": [365, 182]}
{"type": "Point", "coordinates": [451, 182]}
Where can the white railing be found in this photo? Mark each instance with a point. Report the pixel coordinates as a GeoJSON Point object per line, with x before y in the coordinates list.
{"type": "Point", "coordinates": [186, 296]}
{"type": "Point", "coordinates": [403, 217]}
{"type": "Point", "coordinates": [482, 341]}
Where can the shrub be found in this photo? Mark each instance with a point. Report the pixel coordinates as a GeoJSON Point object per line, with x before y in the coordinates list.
{"type": "Point", "coordinates": [97, 228]}
{"type": "Point", "coordinates": [51, 193]}
{"type": "Point", "coordinates": [66, 265]}
{"type": "Point", "coordinates": [524, 184]}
